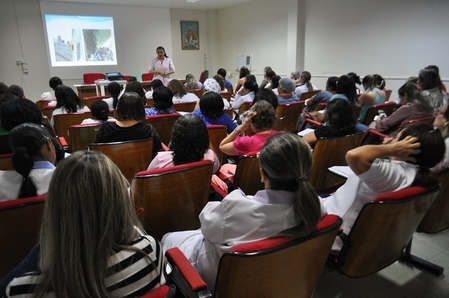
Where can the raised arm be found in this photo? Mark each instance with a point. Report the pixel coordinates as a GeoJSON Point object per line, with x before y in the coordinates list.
{"type": "Point", "coordinates": [361, 158]}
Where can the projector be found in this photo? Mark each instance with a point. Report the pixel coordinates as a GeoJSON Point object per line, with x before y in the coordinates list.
{"type": "Point", "coordinates": [113, 76]}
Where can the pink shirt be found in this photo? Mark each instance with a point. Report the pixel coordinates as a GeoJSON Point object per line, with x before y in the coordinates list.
{"type": "Point", "coordinates": [164, 159]}
{"type": "Point", "coordinates": [165, 65]}
{"type": "Point", "coordinates": [247, 144]}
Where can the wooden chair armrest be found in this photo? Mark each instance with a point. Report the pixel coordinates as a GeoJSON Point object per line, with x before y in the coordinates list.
{"type": "Point", "coordinates": [185, 276]}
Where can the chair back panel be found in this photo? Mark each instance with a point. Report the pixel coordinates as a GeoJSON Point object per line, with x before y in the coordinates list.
{"type": "Point", "coordinates": [48, 111]}
{"type": "Point", "coordinates": [90, 78]}
{"type": "Point", "coordinates": [245, 107]}
{"type": "Point", "coordinates": [197, 92]}
{"type": "Point", "coordinates": [64, 121]}
{"type": "Point", "coordinates": [331, 152]}
{"type": "Point", "coordinates": [172, 198]}
{"type": "Point", "coordinates": [279, 124]}
{"type": "Point", "coordinates": [373, 111]}
{"type": "Point", "coordinates": [42, 103]}
{"type": "Point", "coordinates": [164, 125]}
{"type": "Point", "coordinates": [226, 95]}
{"type": "Point", "coordinates": [147, 76]}
{"type": "Point", "coordinates": [307, 95]}
{"type": "Point", "coordinates": [6, 162]}
{"type": "Point", "coordinates": [188, 106]}
{"type": "Point", "coordinates": [382, 230]}
{"type": "Point", "coordinates": [290, 111]}
{"type": "Point", "coordinates": [88, 101]}
{"type": "Point", "coordinates": [204, 75]}
{"type": "Point", "coordinates": [247, 175]}
{"type": "Point", "coordinates": [216, 134]}
{"type": "Point", "coordinates": [81, 135]}
{"type": "Point", "coordinates": [437, 217]}
{"type": "Point", "coordinates": [388, 94]}
{"type": "Point", "coordinates": [20, 221]}
{"type": "Point", "coordinates": [429, 120]}
{"type": "Point", "coordinates": [291, 269]}
{"type": "Point", "coordinates": [130, 156]}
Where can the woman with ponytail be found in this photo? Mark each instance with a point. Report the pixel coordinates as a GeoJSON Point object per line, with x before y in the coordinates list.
{"type": "Point", "coordinates": [385, 168]}
{"type": "Point", "coordinates": [34, 157]}
{"type": "Point", "coordinates": [305, 84]}
{"type": "Point", "coordinates": [287, 206]}
{"type": "Point", "coordinates": [247, 93]}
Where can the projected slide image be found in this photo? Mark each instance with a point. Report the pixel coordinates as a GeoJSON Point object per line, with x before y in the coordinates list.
{"type": "Point", "coordinates": [78, 40]}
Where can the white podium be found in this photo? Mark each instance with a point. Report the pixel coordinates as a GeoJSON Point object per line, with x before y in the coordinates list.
{"type": "Point", "coordinates": [99, 84]}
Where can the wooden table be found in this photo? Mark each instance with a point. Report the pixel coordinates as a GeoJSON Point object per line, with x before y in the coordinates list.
{"type": "Point", "coordinates": [86, 90]}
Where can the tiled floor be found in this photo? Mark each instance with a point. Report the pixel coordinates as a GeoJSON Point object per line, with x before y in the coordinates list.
{"type": "Point", "coordinates": [398, 280]}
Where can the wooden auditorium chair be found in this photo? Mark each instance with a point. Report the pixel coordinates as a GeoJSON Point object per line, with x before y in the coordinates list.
{"type": "Point", "coordinates": [388, 107]}
{"type": "Point", "coordinates": [171, 199]}
{"type": "Point", "coordinates": [164, 124]}
{"type": "Point", "coordinates": [274, 267]}
{"type": "Point", "coordinates": [382, 230]}
{"type": "Point", "coordinates": [130, 156]}
{"type": "Point", "coordinates": [88, 101]}
{"type": "Point", "coordinates": [62, 122]}
{"type": "Point", "coordinates": [81, 135]}
{"type": "Point", "coordinates": [20, 220]}
{"type": "Point", "coordinates": [217, 133]}
{"type": "Point", "coordinates": [290, 111]}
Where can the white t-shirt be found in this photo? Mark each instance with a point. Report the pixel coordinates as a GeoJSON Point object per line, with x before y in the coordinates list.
{"type": "Point", "coordinates": [303, 89]}
{"type": "Point", "coordinates": [383, 176]}
{"type": "Point", "coordinates": [186, 98]}
{"type": "Point", "coordinates": [62, 110]}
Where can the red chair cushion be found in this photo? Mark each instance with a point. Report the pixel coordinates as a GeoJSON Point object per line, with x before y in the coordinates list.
{"type": "Point", "coordinates": [174, 168]}
{"type": "Point", "coordinates": [19, 202]}
{"type": "Point", "coordinates": [403, 193]}
{"type": "Point", "coordinates": [159, 292]}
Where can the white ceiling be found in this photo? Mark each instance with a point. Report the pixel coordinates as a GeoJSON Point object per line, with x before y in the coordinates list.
{"type": "Point", "coordinates": [181, 4]}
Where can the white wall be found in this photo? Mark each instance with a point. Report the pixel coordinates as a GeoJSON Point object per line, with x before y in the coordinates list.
{"type": "Point", "coordinates": [393, 38]}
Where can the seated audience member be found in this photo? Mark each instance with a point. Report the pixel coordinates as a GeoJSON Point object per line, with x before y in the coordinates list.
{"type": "Point", "coordinates": [260, 120]}
{"type": "Point", "coordinates": [265, 79]}
{"type": "Point", "coordinates": [3, 88]}
{"type": "Point", "coordinates": [100, 111]}
{"type": "Point", "coordinates": [286, 91]}
{"type": "Point", "coordinates": [305, 84]}
{"type": "Point", "coordinates": [228, 84]}
{"type": "Point", "coordinates": [372, 94]}
{"type": "Point", "coordinates": [296, 76]}
{"type": "Point", "coordinates": [322, 96]}
{"type": "Point", "coordinates": [129, 125]}
{"type": "Point", "coordinates": [244, 71]}
{"type": "Point", "coordinates": [274, 84]}
{"type": "Point", "coordinates": [114, 90]}
{"type": "Point", "coordinates": [346, 90]}
{"type": "Point", "coordinates": [442, 123]}
{"type": "Point", "coordinates": [385, 168]}
{"type": "Point", "coordinates": [180, 93]}
{"type": "Point", "coordinates": [356, 80]}
{"type": "Point", "coordinates": [414, 105]}
{"type": "Point", "coordinates": [221, 81]}
{"type": "Point", "coordinates": [163, 102]}
{"type": "Point", "coordinates": [213, 86]}
{"type": "Point", "coordinates": [288, 206]}
{"type": "Point", "coordinates": [190, 143]}
{"type": "Point", "coordinates": [270, 75]}
{"type": "Point", "coordinates": [340, 121]}
{"type": "Point", "coordinates": [191, 83]}
{"type": "Point", "coordinates": [156, 83]}
{"type": "Point", "coordinates": [67, 102]}
{"type": "Point", "coordinates": [136, 86]}
{"type": "Point", "coordinates": [16, 90]}
{"type": "Point", "coordinates": [34, 160]}
{"type": "Point", "coordinates": [98, 254]}
{"type": "Point", "coordinates": [267, 95]}
{"type": "Point", "coordinates": [53, 83]}
{"type": "Point", "coordinates": [246, 93]}
{"type": "Point", "coordinates": [15, 112]}
{"type": "Point", "coordinates": [430, 83]}
{"type": "Point", "coordinates": [211, 111]}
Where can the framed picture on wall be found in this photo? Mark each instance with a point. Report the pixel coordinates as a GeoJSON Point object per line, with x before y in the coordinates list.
{"type": "Point", "coordinates": [190, 35]}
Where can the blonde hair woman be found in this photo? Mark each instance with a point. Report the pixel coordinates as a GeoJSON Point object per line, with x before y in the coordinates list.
{"type": "Point", "coordinates": [91, 242]}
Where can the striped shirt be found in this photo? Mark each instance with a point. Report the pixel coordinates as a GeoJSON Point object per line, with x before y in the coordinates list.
{"type": "Point", "coordinates": [129, 273]}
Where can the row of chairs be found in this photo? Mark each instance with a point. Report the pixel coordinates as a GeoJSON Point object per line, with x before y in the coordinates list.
{"type": "Point", "coordinates": [279, 267]}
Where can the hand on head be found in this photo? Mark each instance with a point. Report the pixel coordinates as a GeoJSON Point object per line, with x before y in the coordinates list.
{"type": "Point", "coordinates": [406, 147]}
